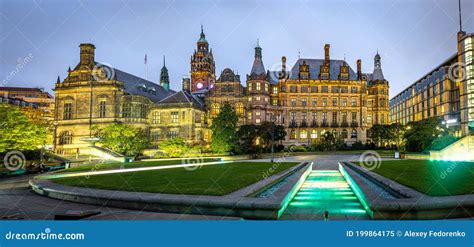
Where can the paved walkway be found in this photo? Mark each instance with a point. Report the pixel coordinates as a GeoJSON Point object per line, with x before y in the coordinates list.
{"type": "Point", "coordinates": [17, 201]}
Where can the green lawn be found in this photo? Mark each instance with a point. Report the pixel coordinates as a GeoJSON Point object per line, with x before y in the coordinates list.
{"type": "Point", "coordinates": [434, 178]}
{"type": "Point", "coordinates": [117, 165]}
{"type": "Point", "coordinates": [206, 180]}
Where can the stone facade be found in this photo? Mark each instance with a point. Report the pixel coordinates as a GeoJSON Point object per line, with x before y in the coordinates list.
{"type": "Point", "coordinates": [314, 96]}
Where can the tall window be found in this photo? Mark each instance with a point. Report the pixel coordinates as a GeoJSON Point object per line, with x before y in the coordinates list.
{"type": "Point", "coordinates": [293, 102]}
{"type": "Point", "coordinates": [334, 101]}
{"type": "Point", "coordinates": [314, 134]}
{"type": "Point", "coordinates": [344, 102]}
{"type": "Point", "coordinates": [354, 117]}
{"type": "Point", "coordinates": [156, 117]}
{"type": "Point", "coordinates": [354, 101]}
{"type": "Point", "coordinates": [304, 134]}
{"type": "Point", "coordinates": [258, 86]}
{"type": "Point", "coordinates": [315, 102]}
{"type": "Point", "coordinates": [344, 117]}
{"type": "Point", "coordinates": [325, 102]}
{"type": "Point", "coordinates": [334, 117]}
{"type": "Point", "coordinates": [67, 111]}
{"type": "Point", "coordinates": [65, 138]}
{"type": "Point", "coordinates": [239, 109]}
{"type": "Point", "coordinates": [127, 110]}
{"type": "Point", "coordinates": [215, 109]}
{"type": "Point", "coordinates": [174, 117]}
{"type": "Point", "coordinates": [325, 116]}
{"type": "Point", "coordinates": [303, 102]}
{"type": "Point", "coordinates": [102, 109]}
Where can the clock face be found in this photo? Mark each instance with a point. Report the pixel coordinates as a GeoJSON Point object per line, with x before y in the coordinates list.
{"type": "Point", "coordinates": [199, 85]}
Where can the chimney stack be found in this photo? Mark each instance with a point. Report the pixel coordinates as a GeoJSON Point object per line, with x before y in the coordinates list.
{"type": "Point", "coordinates": [87, 54]}
{"type": "Point", "coordinates": [359, 68]}
{"type": "Point", "coordinates": [326, 53]}
{"type": "Point", "coordinates": [187, 84]}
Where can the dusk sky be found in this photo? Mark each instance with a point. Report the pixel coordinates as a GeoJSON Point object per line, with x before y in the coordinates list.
{"type": "Point", "coordinates": [411, 36]}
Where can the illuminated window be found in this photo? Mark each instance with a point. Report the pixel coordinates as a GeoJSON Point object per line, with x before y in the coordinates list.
{"type": "Point", "coordinates": [239, 108]}
{"type": "Point", "coordinates": [156, 118]}
{"type": "Point", "coordinates": [292, 134]}
{"type": "Point", "coordinates": [304, 134]}
{"type": "Point", "coordinates": [314, 134]}
{"type": "Point", "coordinates": [293, 102]}
{"type": "Point", "coordinates": [266, 87]}
{"type": "Point", "coordinates": [344, 102]}
{"type": "Point", "coordinates": [325, 102]}
{"type": "Point", "coordinates": [275, 90]}
{"type": "Point", "coordinates": [354, 101]}
{"type": "Point", "coordinates": [175, 117]}
{"type": "Point", "coordinates": [257, 113]}
{"type": "Point", "coordinates": [215, 109]}
{"type": "Point", "coordinates": [257, 98]}
{"type": "Point", "coordinates": [258, 86]}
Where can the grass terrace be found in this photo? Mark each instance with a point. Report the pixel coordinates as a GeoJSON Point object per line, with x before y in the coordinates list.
{"type": "Point", "coordinates": [434, 178]}
{"type": "Point", "coordinates": [214, 180]}
{"type": "Point", "coordinates": [136, 164]}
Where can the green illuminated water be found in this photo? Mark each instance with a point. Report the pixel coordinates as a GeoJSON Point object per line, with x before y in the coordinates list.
{"type": "Point", "coordinates": [325, 190]}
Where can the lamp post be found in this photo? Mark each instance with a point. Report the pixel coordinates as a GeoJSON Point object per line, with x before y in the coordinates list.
{"type": "Point", "coordinates": [273, 136]}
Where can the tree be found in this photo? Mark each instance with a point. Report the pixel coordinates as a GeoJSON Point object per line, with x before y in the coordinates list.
{"type": "Point", "coordinates": [17, 132]}
{"type": "Point", "coordinates": [248, 134]}
{"type": "Point", "coordinates": [223, 129]}
{"type": "Point", "coordinates": [123, 139]}
{"type": "Point", "coordinates": [175, 147]}
{"type": "Point", "coordinates": [419, 135]}
{"type": "Point", "coordinates": [383, 135]}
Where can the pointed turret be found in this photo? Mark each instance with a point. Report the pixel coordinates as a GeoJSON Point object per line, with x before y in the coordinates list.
{"type": "Point", "coordinates": [164, 78]}
{"type": "Point", "coordinates": [377, 75]}
{"type": "Point", "coordinates": [257, 67]}
{"type": "Point", "coordinates": [58, 80]}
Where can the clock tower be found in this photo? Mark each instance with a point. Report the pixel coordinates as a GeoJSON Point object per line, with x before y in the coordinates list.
{"type": "Point", "coordinates": [203, 67]}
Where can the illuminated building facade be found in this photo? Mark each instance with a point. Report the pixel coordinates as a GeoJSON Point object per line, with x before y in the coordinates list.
{"type": "Point", "coordinates": [37, 103]}
{"type": "Point", "coordinates": [446, 92]}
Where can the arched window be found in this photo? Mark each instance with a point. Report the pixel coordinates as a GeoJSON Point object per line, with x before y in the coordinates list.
{"type": "Point", "coordinates": [67, 111]}
{"type": "Point", "coordinates": [65, 138]}
{"type": "Point", "coordinates": [314, 134]}
{"type": "Point", "coordinates": [354, 134]}
{"type": "Point", "coordinates": [304, 134]}
{"type": "Point", "coordinates": [293, 134]}
{"type": "Point", "coordinates": [344, 133]}
{"type": "Point", "coordinates": [334, 132]}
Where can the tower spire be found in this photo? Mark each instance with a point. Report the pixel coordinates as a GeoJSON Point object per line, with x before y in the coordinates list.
{"type": "Point", "coordinates": [164, 77]}
{"type": "Point", "coordinates": [460, 20]}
